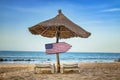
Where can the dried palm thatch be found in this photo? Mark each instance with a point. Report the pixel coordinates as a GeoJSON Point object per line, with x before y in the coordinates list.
{"type": "Point", "coordinates": [67, 28]}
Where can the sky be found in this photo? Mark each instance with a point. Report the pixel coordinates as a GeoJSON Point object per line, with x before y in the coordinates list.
{"type": "Point", "coordinates": [99, 17]}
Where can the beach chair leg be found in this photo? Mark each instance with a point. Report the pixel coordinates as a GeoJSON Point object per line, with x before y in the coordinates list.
{"type": "Point", "coordinates": [52, 68]}
{"type": "Point", "coordinates": [62, 70]}
{"type": "Point", "coordinates": [35, 71]}
{"type": "Point", "coordinates": [52, 71]}
{"type": "Point", "coordinates": [79, 70]}
{"type": "Point", "coordinates": [79, 67]}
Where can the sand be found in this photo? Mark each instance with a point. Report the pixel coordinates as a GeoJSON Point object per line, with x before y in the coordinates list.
{"type": "Point", "coordinates": [88, 71]}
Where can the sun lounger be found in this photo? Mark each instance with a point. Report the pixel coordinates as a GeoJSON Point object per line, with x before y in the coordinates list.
{"type": "Point", "coordinates": [70, 66]}
{"type": "Point", "coordinates": [44, 66]}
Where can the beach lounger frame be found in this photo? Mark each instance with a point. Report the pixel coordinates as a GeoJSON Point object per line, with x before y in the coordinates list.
{"type": "Point", "coordinates": [69, 67]}
{"type": "Point", "coordinates": [40, 67]}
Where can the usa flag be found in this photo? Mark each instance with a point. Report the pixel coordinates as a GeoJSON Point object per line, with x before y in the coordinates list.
{"type": "Point", "coordinates": [57, 47]}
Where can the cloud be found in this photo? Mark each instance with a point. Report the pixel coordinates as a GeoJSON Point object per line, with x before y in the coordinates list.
{"type": "Point", "coordinates": [111, 10]}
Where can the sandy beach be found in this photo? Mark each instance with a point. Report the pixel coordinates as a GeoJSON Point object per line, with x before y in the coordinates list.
{"type": "Point", "coordinates": [88, 71]}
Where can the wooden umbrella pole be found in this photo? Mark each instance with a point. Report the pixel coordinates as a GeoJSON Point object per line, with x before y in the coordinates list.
{"type": "Point", "coordinates": [57, 54]}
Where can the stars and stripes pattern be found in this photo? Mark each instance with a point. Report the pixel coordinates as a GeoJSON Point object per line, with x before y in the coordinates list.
{"type": "Point", "coordinates": [57, 47]}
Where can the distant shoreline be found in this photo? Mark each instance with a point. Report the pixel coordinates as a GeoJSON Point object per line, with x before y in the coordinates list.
{"type": "Point", "coordinates": [44, 51]}
{"type": "Point", "coordinates": [38, 57]}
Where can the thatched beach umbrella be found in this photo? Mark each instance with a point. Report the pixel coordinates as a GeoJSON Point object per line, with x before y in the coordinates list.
{"type": "Point", "coordinates": [61, 28]}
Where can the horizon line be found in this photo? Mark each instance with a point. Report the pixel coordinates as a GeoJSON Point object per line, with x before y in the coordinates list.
{"type": "Point", "coordinates": [63, 52]}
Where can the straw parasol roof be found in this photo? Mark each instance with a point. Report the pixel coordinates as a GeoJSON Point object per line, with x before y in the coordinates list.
{"type": "Point", "coordinates": [68, 29]}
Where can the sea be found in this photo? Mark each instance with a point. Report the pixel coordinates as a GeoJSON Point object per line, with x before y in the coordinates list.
{"type": "Point", "coordinates": [33, 57]}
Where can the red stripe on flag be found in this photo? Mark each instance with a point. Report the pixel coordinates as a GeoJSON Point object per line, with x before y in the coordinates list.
{"type": "Point", "coordinates": [58, 47]}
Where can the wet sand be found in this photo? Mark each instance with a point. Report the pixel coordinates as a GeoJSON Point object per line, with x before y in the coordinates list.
{"type": "Point", "coordinates": [88, 71]}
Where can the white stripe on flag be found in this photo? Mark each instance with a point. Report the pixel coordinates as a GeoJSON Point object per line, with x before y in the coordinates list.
{"type": "Point", "coordinates": [57, 47]}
